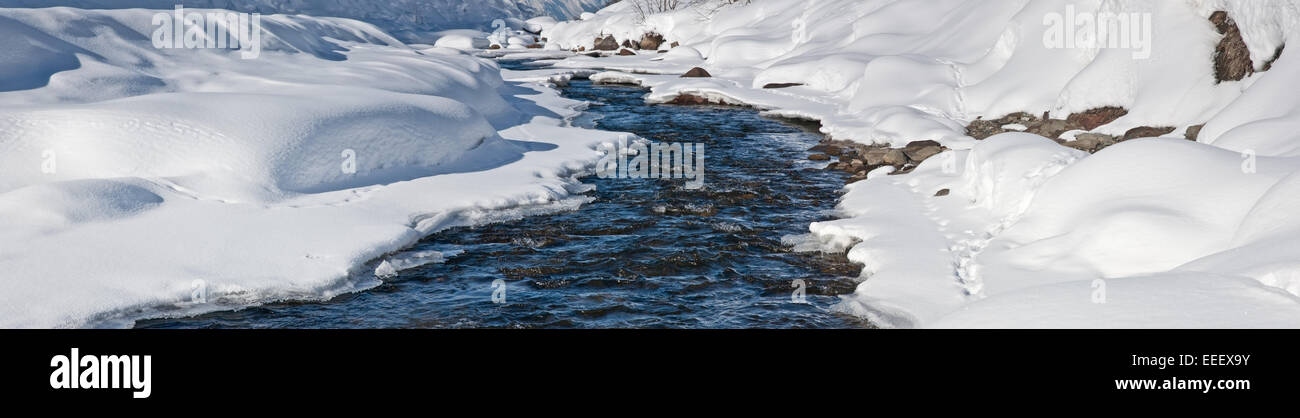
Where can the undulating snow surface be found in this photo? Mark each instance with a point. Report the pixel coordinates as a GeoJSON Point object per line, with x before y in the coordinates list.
{"type": "Point", "coordinates": [1158, 232]}
{"type": "Point", "coordinates": [410, 20]}
{"type": "Point", "coordinates": [134, 178]}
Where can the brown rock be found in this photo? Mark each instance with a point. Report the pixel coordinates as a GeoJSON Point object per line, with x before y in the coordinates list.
{"type": "Point", "coordinates": [1093, 118]}
{"type": "Point", "coordinates": [651, 41]}
{"type": "Point", "coordinates": [674, 45]}
{"type": "Point", "coordinates": [895, 157]}
{"type": "Point", "coordinates": [607, 43]}
{"type": "Point", "coordinates": [819, 157]}
{"type": "Point", "coordinates": [689, 99]}
{"type": "Point", "coordinates": [494, 46]}
{"type": "Point", "coordinates": [626, 52]}
{"type": "Point", "coordinates": [534, 46]}
{"type": "Point", "coordinates": [1231, 57]}
{"type": "Point", "coordinates": [1146, 132]}
{"type": "Point", "coordinates": [1193, 132]}
{"type": "Point", "coordinates": [1090, 142]}
{"type": "Point", "coordinates": [918, 151]}
{"type": "Point", "coordinates": [1052, 128]}
{"type": "Point", "coordinates": [942, 193]}
{"type": "Point", "coordinates": [697, 72]}
{"type": "Point", "coordinates": [629, 45]}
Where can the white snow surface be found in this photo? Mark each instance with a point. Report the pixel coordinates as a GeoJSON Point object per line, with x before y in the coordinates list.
{"type": "Point", "coordinates": [1157, 232]}
{"type": "Point", "coordinates": [410, 20]}
{"type": "Point", "coordinates": [131, 177]}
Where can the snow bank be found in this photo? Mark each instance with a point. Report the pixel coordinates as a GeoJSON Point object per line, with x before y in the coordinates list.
{"type": "Point", "coordinates": [899, 71]}
{"type": "Point", "coordinates": [134, 177]}
{"type": "Point", "coordinates": [1017, 230]}
{"type": "Point", "coordinates": [411, 20]}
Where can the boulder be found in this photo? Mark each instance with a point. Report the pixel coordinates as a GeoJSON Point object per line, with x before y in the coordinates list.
{"type": "Point", "coordinates": [1090, 142]}
{"type": "Point", "coordinates": [607, 43]}
{"type": "Point", "coordinates": [1231, 56]}
{"type": "Point", "coordinates": [1093, 118]}
{"type": "Point", "coordinates": [625, 52]}
{"type": "Point", "coordinates": [1193, 132]}
{"type": "Point", "coordinates": [651, 41]}
{"type": "Point", "coordinates": [697, 72]}
{"type": "Point", "coordinates": [1052, 128]}
{"type": "Point", "coordinates": [895, 157]}
{"type": "Point", "coordinates": [918, 151]}
{"type": "Point", "coordinates": [1146, 132]}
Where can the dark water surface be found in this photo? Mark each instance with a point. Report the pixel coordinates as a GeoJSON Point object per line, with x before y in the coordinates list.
{"type": "Point", "coordinates": [644, 253]}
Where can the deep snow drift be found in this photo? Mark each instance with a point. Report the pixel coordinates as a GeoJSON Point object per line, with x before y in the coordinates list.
{"type": "Point", "coordinates": [133, 179]}
{"type": "Point", "coordinates": [1017, 230]}
{"type": "Point", "coordinates": [410, 20]}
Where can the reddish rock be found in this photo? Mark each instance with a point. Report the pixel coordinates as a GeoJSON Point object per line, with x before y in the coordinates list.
{"type": "Point", "coordinates": [1093, 118]}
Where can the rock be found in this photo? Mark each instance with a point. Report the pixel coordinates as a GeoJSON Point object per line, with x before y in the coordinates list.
{"type": "Point", "coordinates": [894, 157]}
{"type": "Point", "coordinates": [1090, 142]}
{"type": "Point", "coordinates": [494, 46]}
{"type": "Point", "coordinates": [629, 45]}
{"type": "Point", "coordinates": [918, 151]}
{"type": "Point", "coordinates": [1276, 54]}
{"type": "Point", "coordinates": [856, 164]}
{"type": "Point", "coordinates": [607, 43]}
{"type": "Point", "coordinates": [1146, 132]}
{"type": "Point", "coordinates": [626, 52]}
{"type": "Point", "coordinates": [697, 72]}
{"type": "Point", "coordinates": [1193, 132]}
{"type": "Point", "coordinates": [594, 54]}
{"type": "Point", "coordinates": [1093, 118]}
{"type": "Point", "coordinates": [534, 46]}
{"type": "Point", "coordinates": [819, 157]}
{"type": "Point", "coordinates": [651, 41]}
{"type": "Point", "coordinates": [828, 149]}
{"type": "Point", "coordinates": [1231, 56]}
{"type": "Point", "coordinates": [942, 193]}
{"type": "Point", "coordinates": [674, 45]}
{"type": "Point", "coordinates": [982, 128]}
{"type": "Point", "coordinates": [689, 99]}
{"type": "Point", "coordinates": [1052, 128]}
{"type": "Point", "coordinates": [875, 157]}
{"type": "Point", "coordinates": [582, 49]}
{"type": "Point", "coordinates": [781, 85]}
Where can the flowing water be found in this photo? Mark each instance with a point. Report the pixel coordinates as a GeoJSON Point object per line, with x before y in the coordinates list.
{"type": "Point", "coordinates": [643, 253]}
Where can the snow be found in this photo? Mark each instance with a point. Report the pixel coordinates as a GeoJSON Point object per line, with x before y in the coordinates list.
{"type": "Point", "coordinates": [133, 173]}
{"type": "Point", "coordinates": [409, 20]}
{"type": "Point", "coordinates": [1159, 232]}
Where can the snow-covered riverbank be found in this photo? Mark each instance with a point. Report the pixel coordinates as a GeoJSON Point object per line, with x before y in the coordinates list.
{"type": "Point", "coordinates": [1020, 230]}
{"type": "Point", "coordinates": [135, 178]}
